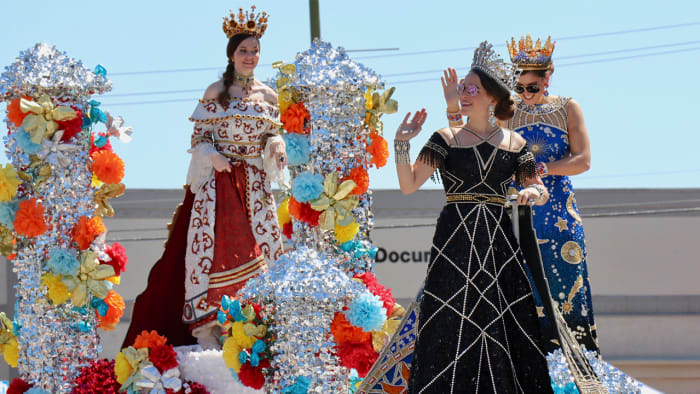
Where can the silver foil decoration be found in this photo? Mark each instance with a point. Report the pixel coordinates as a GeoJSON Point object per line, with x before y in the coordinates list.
{"type": "Point", "coordinates": [309, 284]}
{"type": "Point", "coordinates": [614, 380]}
{"type": "Point", "coordinates": [55, 341]}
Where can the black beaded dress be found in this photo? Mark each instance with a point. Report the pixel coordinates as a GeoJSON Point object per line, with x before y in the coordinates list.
{"type": "Point", "coordinates": [478, 330]}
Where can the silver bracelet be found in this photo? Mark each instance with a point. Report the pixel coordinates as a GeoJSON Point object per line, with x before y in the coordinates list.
{"type": "Point", "coordinates": [541, 190]}
{"type": "Point", "coordinates": [401, 152]}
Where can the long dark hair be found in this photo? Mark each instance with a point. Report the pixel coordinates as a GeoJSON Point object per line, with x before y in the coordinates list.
{"type": "Point", "coordinates": [504, 109]}
{"type": "Point", "coordinates": [233, 43]}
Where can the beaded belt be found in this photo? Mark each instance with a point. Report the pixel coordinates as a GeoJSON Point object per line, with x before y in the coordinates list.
{"type": "Point", "coordinates": [477, 198]}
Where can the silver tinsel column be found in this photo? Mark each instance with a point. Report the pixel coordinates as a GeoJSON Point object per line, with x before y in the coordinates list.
{"type": "Point", "coordinates": [55, 341]}
{"type": "Point", "coordinates": [310, 283]}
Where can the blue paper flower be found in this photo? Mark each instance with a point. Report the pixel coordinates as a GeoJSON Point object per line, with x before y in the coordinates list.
{"type": "Point", "coordinates": [307, 186]}
{"type": "Point", "coordinates": [63, 262]}
{"type": "Point", "coordinates": [258, 346]}
{"type": "Point", "coordinates": [254, 360]}
{"type": "Point", "coordinates": [96, 114]}
{"type": "Point", "coordinates": [24, 141]}
{"type": "Point", "coordinates": [100, 141]}
{"type": "Point", "coordinates": [300, 386]}
{"type": "Point", "coordinates": [82, 326]}
{"type": "Point", "coordinates": [348, 246]}
{"type": "Point", "coordinates": [221, 317]}
{"type": "Point", "coordinates": [100, 70]}
{"type": "Point", "coordinates": [367, 312]}
{"type": "Point", "coordinates": [243, 356]}
{"type": "Point", "coordinates": [8, 213]}
{"type": "Point", "coordinates": [354, 381]}
{"type": "Point", "coordinates": [100, 305]}
{"type": "Point", "coordinates": [570, 388]}
{"type": "Point", "coordinates": [297, 148]}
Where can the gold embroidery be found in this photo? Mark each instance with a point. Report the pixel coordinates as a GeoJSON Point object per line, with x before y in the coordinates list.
{"type": "Point", "coordinates": [561, 224]}
{"type": "Point", "coordinates": [570, 207]}
{"type": "Point", "coordinates": [571, 252]}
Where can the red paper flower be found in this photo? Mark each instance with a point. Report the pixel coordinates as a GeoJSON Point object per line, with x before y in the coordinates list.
{"type": "Point", "coordinates": [294, 119]}
{"type": "Point", "coordinates": [303, 212]}
{"type": "Point", "coordinates": [118, 255]}
{"type": "Point", "coordinates": [107, 146]}
{"type": "Point", "coordinates": [360, 356]}
{"type": "Point", "coordinates": [253, 376]}
{"type": "Point", "coordinates": [163, 357]}
{"type": "Point", "coordinates": [379, 290]}
{"type": "Point", "coordinates": [288, 230]}
{"type": "Point", "coordinates": [97, 377]}
{"type": "Point", "coordinates": [71, 127]}
{"type": "Point", "coordinates": [18, 386]}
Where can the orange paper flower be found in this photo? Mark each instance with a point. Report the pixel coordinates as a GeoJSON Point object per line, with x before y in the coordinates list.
{"type": "Point", "coordinates": [149, 340]}
{"type": "Point", "coordinates": [361, 178]}
{"type": "Point", "coordinates": [30, 218]}
{"type": "Point", "coordinates": [114, 313]}
{"type": "Point", "coordinates": [344, 332]}
{"type": "Point", "coordinates": [294, 118]}
{"type": "Point", "coordinates": [86, 230]}
{"type": "Point", "coordinates": [379, 149]}
{"type": "Point", "coordinates": [108, 167]}
{"type": "Point", "coordinates": [15, 114]}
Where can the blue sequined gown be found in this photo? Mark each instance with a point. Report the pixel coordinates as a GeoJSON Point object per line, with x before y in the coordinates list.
{"type": "Point", "coordinates": [557, 223]}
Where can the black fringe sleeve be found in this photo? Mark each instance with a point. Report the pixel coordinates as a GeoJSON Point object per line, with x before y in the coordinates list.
{"type": "Point", "coordinates": [434, 153]}
{"type": "Point", "coordinates": [527, 166]}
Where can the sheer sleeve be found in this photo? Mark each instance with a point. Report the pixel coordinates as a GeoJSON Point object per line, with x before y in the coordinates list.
{"type": "Point", "coordinates": [526, 165]}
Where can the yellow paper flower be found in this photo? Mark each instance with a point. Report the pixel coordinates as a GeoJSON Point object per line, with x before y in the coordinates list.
{"type": "Point", "coordinates": [239, 335]}
{"type": "Point", "coordinates": [122, 368]}
{"type": "Point", "coordinates": [9, 181]}
{"type": "Point", "coordinates": [114, 279]}
{"type": "Point", "coordinates": [346, 233]}
{"type": "Point", "coordinates": [230, 354]}
{"type": "Point", "coordinates": [11, 352]}
{"type": "Point", "coordinates": [58, 292]}
{"type": "Point", "coordinates": [283, 212]}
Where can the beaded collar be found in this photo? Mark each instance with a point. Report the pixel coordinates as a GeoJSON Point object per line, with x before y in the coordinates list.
{"type": "Point", "coordinates": [540, 109]}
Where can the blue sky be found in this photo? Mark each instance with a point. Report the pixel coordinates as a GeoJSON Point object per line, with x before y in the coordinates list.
{"type": "Point", "coordinates": [640, 110]}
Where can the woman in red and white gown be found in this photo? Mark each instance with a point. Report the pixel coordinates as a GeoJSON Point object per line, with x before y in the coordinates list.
{"type": "Point", "coordinates": [226, 229]}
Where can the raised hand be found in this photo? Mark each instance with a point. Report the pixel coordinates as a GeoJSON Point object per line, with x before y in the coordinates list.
{"type": "Point", "coordinates": [450, 81]}
{"type": "Point", "coordinates": [410, 128]}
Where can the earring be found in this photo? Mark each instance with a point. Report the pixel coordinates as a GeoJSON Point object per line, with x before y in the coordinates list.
{"type": "Point", "coordinates": [546, 91]}
{"type": "Point", "coordinates": [492, 118]}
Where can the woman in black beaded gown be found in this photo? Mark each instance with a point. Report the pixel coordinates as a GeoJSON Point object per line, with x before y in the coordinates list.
{"type": "Point", "coordinates": [478, 330]}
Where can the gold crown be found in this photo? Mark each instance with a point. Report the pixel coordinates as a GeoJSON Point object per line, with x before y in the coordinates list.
{"type": "Point", "coordinates": [246, 22]}
{"type": "Point", "coordinates": [529, 57]}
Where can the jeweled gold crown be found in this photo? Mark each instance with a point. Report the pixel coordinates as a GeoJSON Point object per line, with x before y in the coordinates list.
{"type": "Point", "coordinates": [488, 61]}
{"type": "Point", "coordinates": [529, 57]}
{"type": "Point", "coordinates": [246, 22]}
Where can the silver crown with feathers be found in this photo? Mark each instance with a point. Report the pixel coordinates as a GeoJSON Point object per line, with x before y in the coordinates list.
{"type": "Point", "coordinates": [488, 61]}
